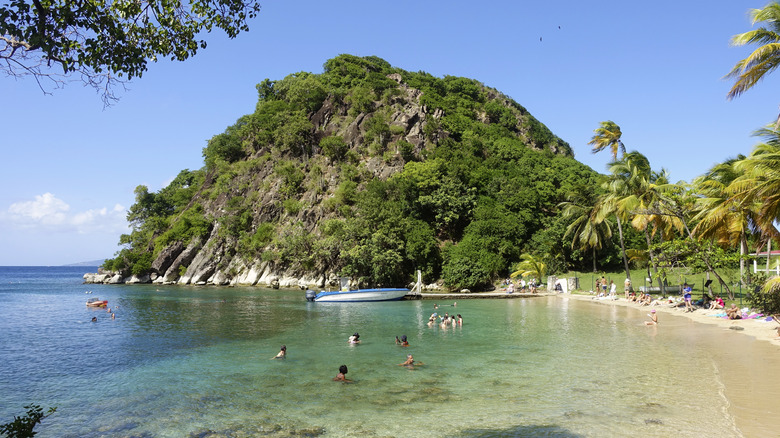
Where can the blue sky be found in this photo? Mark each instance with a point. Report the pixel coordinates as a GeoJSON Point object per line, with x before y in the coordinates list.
{"type": "Point", "coordinates": [655, 68]}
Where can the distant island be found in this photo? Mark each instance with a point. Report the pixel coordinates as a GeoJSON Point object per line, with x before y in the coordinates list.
{"type": "Point", "coordinates": [98, 262]}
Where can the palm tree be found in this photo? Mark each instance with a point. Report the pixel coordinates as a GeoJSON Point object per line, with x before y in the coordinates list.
{"type": "Point", "coordinates": [760, 181]}
{"type": "Point", "coordinates": [530, 265]}
{"type": "Point", "coordinates": [607, 136]}
{"type": "Point", "coordinates": [721, 217]}
{"type": "Point", "coordinates": [633, 193]}
{"type": "Point", "coordinates": [587, 231]}
{"type": "Point", "coordinates": [765, 58]}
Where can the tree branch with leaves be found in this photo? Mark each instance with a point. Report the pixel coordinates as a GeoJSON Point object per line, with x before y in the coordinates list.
{"type": "Point", "coordinates": [108, 43]}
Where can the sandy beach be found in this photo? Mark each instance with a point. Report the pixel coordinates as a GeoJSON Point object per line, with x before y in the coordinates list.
{"type": "Point", "coordinates": [758, 328]}
{"type": "Point", "coordinates": [745, 354]}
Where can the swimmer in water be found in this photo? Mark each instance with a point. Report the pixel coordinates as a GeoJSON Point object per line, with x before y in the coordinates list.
{"type": "Point", "coordinates": [402, 342]}
{"type": "Point", "coordinates": [342, 375]}
{"type": "Point", "coordinates": [409, 363]}
{"type": "Point", "coordinates": [354, 339]}
{"type": "Point", "coordinates": [282, 354]}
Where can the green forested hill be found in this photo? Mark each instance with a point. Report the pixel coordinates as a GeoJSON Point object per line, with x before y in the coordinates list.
{"type": "Point", "coordinates": [368, 171]}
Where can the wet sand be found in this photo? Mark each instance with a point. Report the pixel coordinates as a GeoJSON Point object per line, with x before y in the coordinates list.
{"type": "Point", "coordinates": [747, 359]}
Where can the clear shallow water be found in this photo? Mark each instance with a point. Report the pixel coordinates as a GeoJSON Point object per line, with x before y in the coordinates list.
{"type": "Point", "coordinates": [178, 361]}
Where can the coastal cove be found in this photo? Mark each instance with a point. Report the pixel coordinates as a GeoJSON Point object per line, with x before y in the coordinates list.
{"type": "Point", "coordinates": [181, 360]}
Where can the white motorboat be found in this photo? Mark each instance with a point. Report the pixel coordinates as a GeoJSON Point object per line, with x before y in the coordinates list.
{"type": "Point", "coordinates": [357, 295]}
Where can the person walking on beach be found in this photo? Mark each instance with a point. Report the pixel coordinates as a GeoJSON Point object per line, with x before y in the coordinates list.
{"type": "Point", "coordinates": [612, 290]}
{"type": "Point", "coordinates": [627, 286]}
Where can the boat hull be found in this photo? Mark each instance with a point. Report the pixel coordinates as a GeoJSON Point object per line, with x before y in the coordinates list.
{"type": "Point", "coordinates": [94, 302]}
{"type": "Point", "coordinates": [361, 295]}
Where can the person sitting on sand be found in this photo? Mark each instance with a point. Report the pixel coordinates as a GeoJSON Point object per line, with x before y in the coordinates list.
{"type": "Point", "coordinates": [717, 303]}
{"type": "Point", "coordinates": [511, 288]}
{"type": "Point", "coordinates": [734, 312]}
{"type": "Point", "coordinates": [653, 318]}
{"type": "Point", "coordinates": [402, 342]}
{"type": "Point", "coordinates": [354, 339]}
{"type": "Point", "coordinates": [342, 375]}
{"type": "Point", "coordinates": [282, 354]}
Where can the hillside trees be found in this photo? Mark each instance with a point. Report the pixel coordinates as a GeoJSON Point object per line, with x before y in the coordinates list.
{"type": "Point", "coordinates": [476, 185]}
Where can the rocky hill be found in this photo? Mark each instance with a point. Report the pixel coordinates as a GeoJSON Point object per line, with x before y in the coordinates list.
{"type": "Point", "coordinates": [364, 170]}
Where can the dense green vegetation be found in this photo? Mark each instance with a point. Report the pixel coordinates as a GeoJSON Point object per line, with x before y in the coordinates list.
{"type": "Point", "coordinates": [479, 186]}
{"type": "Point", "coordinates": [373, 172]}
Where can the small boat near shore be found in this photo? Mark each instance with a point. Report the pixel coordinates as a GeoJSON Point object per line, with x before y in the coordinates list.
{"type": "Point", "coordinates": [96, 302]}
{"type": "Point", "coordinates": [357, 295]}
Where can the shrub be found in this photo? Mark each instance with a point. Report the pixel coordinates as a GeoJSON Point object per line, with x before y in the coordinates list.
{"type": "Point", "coordinates": [767, 298]}
{"type": "Point", "coordinates": [22, 427]}
{"type": "Point", "coordinates": [334, 147]}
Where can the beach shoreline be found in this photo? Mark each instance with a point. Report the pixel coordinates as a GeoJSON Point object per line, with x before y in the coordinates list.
{"type": "Point", "coordinates": [747, 368]}
{"type": "Point", "coordinates": [758, 328]}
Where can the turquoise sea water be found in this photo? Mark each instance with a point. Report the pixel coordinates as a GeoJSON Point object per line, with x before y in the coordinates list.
{"type": "Point", "coordinates": [186, 361]}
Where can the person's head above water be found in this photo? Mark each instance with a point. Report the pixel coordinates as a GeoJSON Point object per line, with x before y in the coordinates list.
{"type": "Point", "coordinates": [356, 335]}
{"type": "Point", "coordinates": [403, 338]}
{"type": "Point", "coordinates": [284, 348]}
{"type": "Point", "coordinates": [343, 369]}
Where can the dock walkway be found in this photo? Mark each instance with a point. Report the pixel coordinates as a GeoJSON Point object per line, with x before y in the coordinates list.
{"type": "Point", "coordinates": [475, 295]}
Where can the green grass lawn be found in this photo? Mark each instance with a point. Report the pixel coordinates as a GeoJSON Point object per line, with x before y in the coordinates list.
{"type": "Point", "coordinates": [639, 278]}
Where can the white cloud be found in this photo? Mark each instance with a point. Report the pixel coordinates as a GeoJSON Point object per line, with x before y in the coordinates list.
{"type": "Point", "coordinates": [44, 210]}
{"type": "Point", "coordinates": [50, 214]}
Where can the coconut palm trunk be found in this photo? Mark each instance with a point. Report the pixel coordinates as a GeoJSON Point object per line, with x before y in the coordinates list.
{"type": "Point", "coordinates": [654, 262]}
{"type": "Point", "coordinates": [623, 247]}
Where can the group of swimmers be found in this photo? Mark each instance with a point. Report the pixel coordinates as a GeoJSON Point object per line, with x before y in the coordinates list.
{"type": "Point", "coordinates": [403, 341]}
{"type": "Point", "coordinates": [355, 339]}
{"type": "Point", "coordinates": [108, 310]}
{"type": "Point", "coordinates": [445, 320]}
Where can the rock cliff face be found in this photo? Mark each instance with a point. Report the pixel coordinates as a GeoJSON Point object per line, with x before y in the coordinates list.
{"type": "Point", "coordinates": [214, 258]}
